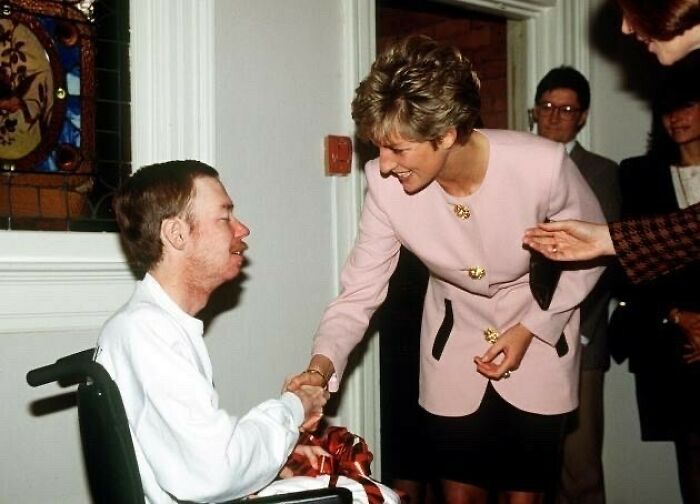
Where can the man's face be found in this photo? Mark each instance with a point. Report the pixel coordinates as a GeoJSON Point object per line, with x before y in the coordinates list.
{"type": "Point", "coordinates": [558, 115]}
{"type": "Point", "coordinates": [216, 246]}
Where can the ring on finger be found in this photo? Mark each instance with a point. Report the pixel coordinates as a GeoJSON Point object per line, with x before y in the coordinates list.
{"type": "Point", "coordinates": [506, 374]}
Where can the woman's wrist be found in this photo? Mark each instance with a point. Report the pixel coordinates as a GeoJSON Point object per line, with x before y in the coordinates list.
{"type": "Point", "coordinates": [605, 241]}
{"type": "Point", "coordinates": [315, 371]}
{"type": "Point", "coordinates": [323, 365]}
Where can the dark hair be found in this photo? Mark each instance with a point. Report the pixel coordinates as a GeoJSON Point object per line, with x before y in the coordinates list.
{"type": "Point", "coordinates": [569, 78]}
{"type": "Point", "coordinates": [661, 20]}
{"type": "Point", "coordinates": [679, 87]}
{"type": "Point", "coordinates": [152, 194]}
{"type": "Point", "coordinates": [417, 88]}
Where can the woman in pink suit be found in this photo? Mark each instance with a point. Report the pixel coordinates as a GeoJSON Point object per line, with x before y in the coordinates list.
{"type": "Point", "coordinates": [460, 198]}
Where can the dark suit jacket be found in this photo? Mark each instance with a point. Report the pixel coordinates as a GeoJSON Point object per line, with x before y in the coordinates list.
{"type": "Point", "coordinates": [602, 175]}
{"type": "Point", "coordinates": [665, 386]}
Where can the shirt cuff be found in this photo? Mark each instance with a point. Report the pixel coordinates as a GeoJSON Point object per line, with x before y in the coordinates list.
{"type": "Point", "coordinates": [295, 407]}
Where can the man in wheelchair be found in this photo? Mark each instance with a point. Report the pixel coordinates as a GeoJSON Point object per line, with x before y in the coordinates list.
{"type": "Point", "coordinates": [179, 230]}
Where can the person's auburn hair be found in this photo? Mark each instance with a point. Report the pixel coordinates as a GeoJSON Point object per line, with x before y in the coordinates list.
{"type": "Point", "coordinates": [417, 88]}
{"type": "Point", "coordinates": [661, 20]}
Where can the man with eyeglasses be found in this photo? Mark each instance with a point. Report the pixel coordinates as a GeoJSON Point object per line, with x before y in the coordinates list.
{"type": "Point", "coordinates": [561, 106]}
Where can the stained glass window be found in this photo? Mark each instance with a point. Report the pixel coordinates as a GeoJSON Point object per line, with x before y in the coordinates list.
{"type": "Point", "coordinates": [64, 112]}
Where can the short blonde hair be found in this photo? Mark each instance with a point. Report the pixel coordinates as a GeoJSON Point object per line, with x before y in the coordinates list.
{"type": "Point", "coordinates": [417, 88]}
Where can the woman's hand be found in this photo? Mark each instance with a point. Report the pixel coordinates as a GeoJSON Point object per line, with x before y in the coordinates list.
{"type": "Point", "coordinates": [512, 344]}
{"type": "Point", "coordinates": [689, 324]}
{"type": "Point", "coordinates": [311, 452]}
{"type": "Point", "coordinates": [570, 240]}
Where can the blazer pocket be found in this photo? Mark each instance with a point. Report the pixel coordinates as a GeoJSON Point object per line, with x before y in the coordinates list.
{"type": "Point", "coordinates": [444, 332]}
{"type": "Point", "coordinates": [562, 347]}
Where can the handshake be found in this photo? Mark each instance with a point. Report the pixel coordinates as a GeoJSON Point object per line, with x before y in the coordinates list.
{"type": "Point", "coordinates": [311, 386]}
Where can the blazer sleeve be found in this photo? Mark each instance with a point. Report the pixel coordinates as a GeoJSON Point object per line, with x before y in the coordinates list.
{"type": "Point", "coordinates": [570, 197]}
{"type": "Point", "coordinates": [649, 247]}
{"type": "Point", "coordinates": [364, 284]}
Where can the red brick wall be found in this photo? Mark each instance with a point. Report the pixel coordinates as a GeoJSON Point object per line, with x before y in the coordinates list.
{"type": "Point", "coordinates": [481, 38]}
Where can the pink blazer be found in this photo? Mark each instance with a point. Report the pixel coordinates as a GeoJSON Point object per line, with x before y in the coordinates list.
{"type": "Point", "coordinates": [528, 179]}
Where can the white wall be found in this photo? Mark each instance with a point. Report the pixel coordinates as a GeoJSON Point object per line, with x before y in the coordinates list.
{"type": "Point", "coordinates": [279, 91]}
{"type": "Point", "coordinates": [41, 459]}
{"type": "Point", "coordinates": [619, 70]}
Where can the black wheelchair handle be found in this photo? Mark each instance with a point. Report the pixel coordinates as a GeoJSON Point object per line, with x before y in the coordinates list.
{"type": "Point", "coordinates": [78, 364]}
{"type": "Point", "coordinates": [43, 375]}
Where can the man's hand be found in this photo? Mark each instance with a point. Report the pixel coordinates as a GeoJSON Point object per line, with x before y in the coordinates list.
{"type": "Point", "coordinates": [313, 398]}
{"type": "Point", "coordinates": [570, 240]}
{"type": "Point", "coordinates": [512, 344]}
{"type": "Point", "coordinates": [311, 452]}
{"type": "Point", "coordinates": [316, 376]}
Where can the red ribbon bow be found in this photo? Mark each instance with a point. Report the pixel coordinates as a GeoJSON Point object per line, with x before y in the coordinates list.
{"type": "Point", "coordinates": [350, 457]}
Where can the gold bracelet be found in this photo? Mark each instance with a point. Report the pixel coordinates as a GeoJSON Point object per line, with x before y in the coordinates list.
{"type": "Point", "coordinates": [319, 373]}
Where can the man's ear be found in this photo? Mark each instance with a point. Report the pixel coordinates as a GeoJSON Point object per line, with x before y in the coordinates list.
{"type": "Point", "coordinates": [582, 120]}
{"type": "Point", "coordinates": [173, 231]}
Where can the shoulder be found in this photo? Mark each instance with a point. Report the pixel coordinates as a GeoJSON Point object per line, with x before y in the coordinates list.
{"type": "Point", "coordinates": [514, 141]}
{"type": "Point", "coordinates": [584, 156]}
{"type": "Point", "coordinates": [517, 155]}
{"type": "Point", "coordinates": [639, 170]}
{"type": "Point", "coordinates": [513, 150]}
{"type": "Point", "coordinates": [135, 323]}
{"type": "Point", "coordinates": [372, 170]}
{"type": "Point", "coordinates": [651, 166]}
{"type": "Point", "coordinates": [635, 163]}
{"type": "Point", "coordinates": [135, 338]}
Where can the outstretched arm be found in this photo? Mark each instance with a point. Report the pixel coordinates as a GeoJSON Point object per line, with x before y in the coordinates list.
{"type": "Point", "coordinates": [647, 247]}
{"type": "Point", "coordinates": [570, 240]}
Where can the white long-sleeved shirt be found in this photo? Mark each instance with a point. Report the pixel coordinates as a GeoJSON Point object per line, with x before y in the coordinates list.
{"type": "Point", "coordinates": [186, 446]}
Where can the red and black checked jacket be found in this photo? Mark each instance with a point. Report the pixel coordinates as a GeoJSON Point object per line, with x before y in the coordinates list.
{"type": "Point", "coordinates": [649, 247]}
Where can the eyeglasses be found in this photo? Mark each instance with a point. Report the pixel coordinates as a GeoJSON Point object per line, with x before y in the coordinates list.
{"type": "Point", "coordinates": [566, 112]}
